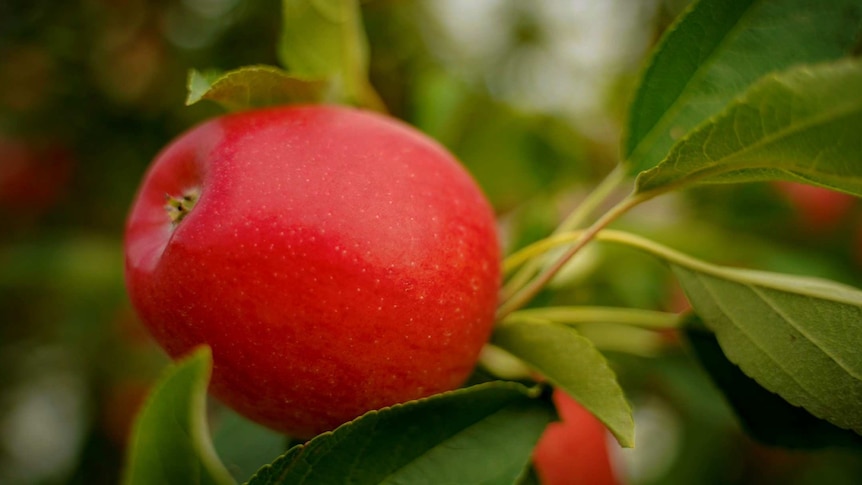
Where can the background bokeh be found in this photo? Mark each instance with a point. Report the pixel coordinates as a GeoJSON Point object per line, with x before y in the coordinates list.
{"type": "Point", "coordinates": [530, 95]}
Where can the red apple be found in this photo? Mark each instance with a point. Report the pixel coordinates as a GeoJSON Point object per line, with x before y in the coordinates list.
{"type": "Point", "coordinates": [819, 209]}
{"type": "Point", "coordinates": [335, 260]}
{"type": "Point", "coordinates": [573, 451]}
{"type": "Point", "coordinates": [34, 174]}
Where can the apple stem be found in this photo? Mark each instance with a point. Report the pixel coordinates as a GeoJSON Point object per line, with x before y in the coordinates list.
{"type": "Point", "coordinates": [179, 207]}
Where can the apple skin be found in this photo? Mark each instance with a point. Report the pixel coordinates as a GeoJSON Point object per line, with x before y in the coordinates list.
{"type": "Point", "coordinates": [574, 450]}
{"type": "Point", "coordinates": [336, 261]}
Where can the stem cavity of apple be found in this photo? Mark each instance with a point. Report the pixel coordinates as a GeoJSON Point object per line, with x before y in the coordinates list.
{"type": "Point", "coordinates": [179, 207]}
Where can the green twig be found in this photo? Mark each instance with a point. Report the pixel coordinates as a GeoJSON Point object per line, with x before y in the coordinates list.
{"type": "Point", "coordinates": [533, 287]}
{"type": "Point", "coordinates": [574, 220]}
{"type": "Point", "coordinates": [575, 315]}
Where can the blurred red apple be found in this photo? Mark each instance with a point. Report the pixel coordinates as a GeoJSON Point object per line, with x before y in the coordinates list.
{"type": "Point", "coordinates": [33, 175]}
{"type": "Point", "coordinates": [819, 209]}
{"type": "Point", "coordinates": [574, 450]}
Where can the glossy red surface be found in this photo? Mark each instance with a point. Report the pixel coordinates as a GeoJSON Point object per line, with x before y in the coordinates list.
{"type": "Point", "coordinates": [336, 261]}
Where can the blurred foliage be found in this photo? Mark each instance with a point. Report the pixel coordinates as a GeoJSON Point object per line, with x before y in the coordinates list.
{"type": "Point", "coordinates": [91, 90]}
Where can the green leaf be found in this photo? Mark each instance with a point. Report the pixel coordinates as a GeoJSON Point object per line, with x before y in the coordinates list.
{"type": "Point", "coordinates": [253, 87]}
{"type": "Point", "coordinates": [170, 442]}
{"type": "Point", "coordinates": [481, 434]}
{"type": "Point", "coordinates": [765, 415]}
{"type": "Point", "coordinates": [802, 124]}
{"type": "Point", "coordinates": [571, 362]}
{"type": "Point", "coordinates": [797, 336]}
{"type": "Point", "coordinates": [715, 51]}
{"type": "Point", "coordinates": [324, 39]}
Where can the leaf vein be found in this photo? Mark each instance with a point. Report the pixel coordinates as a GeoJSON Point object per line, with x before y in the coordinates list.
{"type": "Point", "coordinates": [393, 475]}
{"type": "Point", "coordinates": [741, 330]}
{"type": "Point", "coordinates": [799, 328]}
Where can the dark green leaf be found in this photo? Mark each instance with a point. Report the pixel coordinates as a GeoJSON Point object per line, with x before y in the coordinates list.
{"type": "Point", "coordinates": [253, 87]}
{"type": "Point", "coordinates": [765, 415]}
{"type": "Point", "coordinates": [324, 39]}
{"type": "Point", "coordinates": [481, 434]}
{"type": "Point", "coordinates": [171, 442]}
{"type": "Point", "coordinates": [801, 125]}
{"type": "Point", "coordinates": [572, 363]}
{"type": "Point", "coordinates": [714, 52]}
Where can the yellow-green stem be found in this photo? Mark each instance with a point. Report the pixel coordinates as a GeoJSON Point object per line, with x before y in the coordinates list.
{"type": "Point", "coordinates": [528, 291]}
{"type": "Point", "coordinates": [576, 315]}
{"type": "Point", "coordinates": [529, 253]}
{"type": "Point", "coordinates": [574, 220]}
